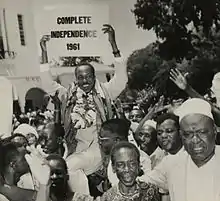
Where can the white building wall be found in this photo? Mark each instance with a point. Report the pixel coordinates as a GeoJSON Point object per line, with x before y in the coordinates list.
{"type": "Point", "coordinates": [26, 61]}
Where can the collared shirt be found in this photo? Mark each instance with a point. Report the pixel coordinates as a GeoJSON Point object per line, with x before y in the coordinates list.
{"type": "Point", "coordinates": [184, 180]}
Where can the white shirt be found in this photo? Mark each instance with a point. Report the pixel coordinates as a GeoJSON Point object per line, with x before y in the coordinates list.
{"type": "Point", "coordinates": [185, 181]}
{"type": "Point", "coordinates": [3, 198]}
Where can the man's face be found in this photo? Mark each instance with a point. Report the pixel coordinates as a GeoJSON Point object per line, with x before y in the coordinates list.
{"type": "Point", "coordinates": [126, 166]}
{"type": "Point", "coordinates": [107, 140]}
{"type": "Point", "coordinates": [21, 166]}
{"type": "Point", "coordinates": [144, 137]}
{"type": "Point", "coordinates": [168, 135]}
{"type": "Point", "coordinates": [58, 175]}
{"type": "Point", "coordinates": [136, 115]}
{"type": "Point", "coordinates": [49, 141]}
{"type": "Point", "coordinates": [20, 142]}
{"type": "Point", "coordinates": [198, 135]}
{"type": "Point", "coordinates": [85, 78]}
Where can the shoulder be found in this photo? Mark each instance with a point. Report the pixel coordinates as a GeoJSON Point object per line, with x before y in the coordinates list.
{"type": "Point", "coordinates": [147, 186]}
{"type": "Point", "coordinates": [149, 191]}
{"type": "Point", "coordinates": [171, 161]}
{"type": "Point", "coordinates": [110, 194]}
{"type": "Point", "coordinates": [3, 198]}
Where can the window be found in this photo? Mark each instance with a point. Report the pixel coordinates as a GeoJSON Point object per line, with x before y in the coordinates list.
{"type": "Point", "coordinates": [21, 30]}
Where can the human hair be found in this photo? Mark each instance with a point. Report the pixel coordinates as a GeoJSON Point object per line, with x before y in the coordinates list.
{"type": "Point", "coordinates": [85, 64]}
{"type": "Point", "coordinates": [126, 145]}
{"type": "Point", "coordinates": [23, 120]}
{"type": "Point", "coordinates": [163, 117]}
{"type": "Point", "coordinates": [58, 158]}
{"type": "Point", "coordinates": [9, 153]}
{"type": "Point", "coordinates": [11, 138]}
{"type": "Point", "coordinates": [117, 126]}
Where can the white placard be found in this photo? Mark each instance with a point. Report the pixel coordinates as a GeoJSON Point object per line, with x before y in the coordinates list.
{"type": "Point", "coordinates": [75, 29]}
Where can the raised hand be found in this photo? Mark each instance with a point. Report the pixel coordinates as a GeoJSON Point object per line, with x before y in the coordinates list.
{"type": "Point", "coordinates": [43, 41]}
{"type": "Point", "coordinates": [159, 106]}
{"type": "Point", "coordinates": [38, 166]}
{"type": "Point", "coordinates": [55, 99]}
{"type": "Point", "coordinates": [110, 31]}
{"type": "Point", "coordinates": [179, 79]}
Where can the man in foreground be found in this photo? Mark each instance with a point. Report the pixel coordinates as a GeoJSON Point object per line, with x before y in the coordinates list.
{"type": "Point", "coordinates": [192, 174]}
{"type": "Point", "coordinates": [125, 159]}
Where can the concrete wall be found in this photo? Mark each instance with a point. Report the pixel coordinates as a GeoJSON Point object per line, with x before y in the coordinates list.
{"type": "Point", "coordinates": [27, 60]}
{"type": "Point", "coordinates": [129, 37]}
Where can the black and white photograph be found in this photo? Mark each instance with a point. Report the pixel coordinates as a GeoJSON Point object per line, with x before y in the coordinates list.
{"type": "Point", "coordinates": [110, 100]}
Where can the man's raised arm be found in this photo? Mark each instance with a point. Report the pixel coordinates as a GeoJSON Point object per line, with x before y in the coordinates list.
{"type": "Point", "coordinates": [48, 84]}
{"type": "Point", "coordinates": [181, 82]}
{"type": "Point", "coordinates": [117, 84]}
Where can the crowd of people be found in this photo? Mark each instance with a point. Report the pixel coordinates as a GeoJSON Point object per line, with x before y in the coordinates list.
{"type": "Point", "coordinates": [90, 148]}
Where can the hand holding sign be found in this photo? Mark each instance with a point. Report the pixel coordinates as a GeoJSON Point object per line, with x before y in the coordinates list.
{"type": "Point", "coordinates": [43, 42]}
{"type": "Point", "coordinates": [111, 33]}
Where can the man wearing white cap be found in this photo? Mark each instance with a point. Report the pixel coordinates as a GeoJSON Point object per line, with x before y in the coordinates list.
{"type": "Point", "coordinates": [192, 174]}
{"type": "Point", "coordinates": [146, 139]}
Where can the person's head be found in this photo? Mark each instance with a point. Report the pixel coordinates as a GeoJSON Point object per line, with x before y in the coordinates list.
{"type": "Point", "coordinates": [136, 115]}
{"type": "Point", "coordinates": [113, 131]}
{"type": "Point", "coordinates": [85, 76]}
{"type": "Point", "coordinates": [168, 135]}
{"type": "Point", "coordinates": [59, 174]}
{"type": "Point", "coordinates": [146, 138]}
{"type": "Point", "coordinates": [19, 141]}
{"type": "Point", "coordinates": [197, 130]}
{"type": "Point", "coordinates": [14, 162]}
{"type": "Point", "coordinates": [125, 158]}
{"type": "Point", "coordinates": [23, 119]}
{"type": "Point", "coordinates": [50, 138]}
{"type": "Point", "coordinates": [29, 132]}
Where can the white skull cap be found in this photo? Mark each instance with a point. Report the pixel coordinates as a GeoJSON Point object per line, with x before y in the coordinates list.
{"type": "Point", "coordinates": [194, 106]}
{"type": "Point", "coordinates": [150, 123]}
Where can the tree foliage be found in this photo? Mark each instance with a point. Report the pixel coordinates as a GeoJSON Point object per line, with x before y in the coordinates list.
{"type": "Point", "coordinates": [146, 67]}
{"type": "Point", "coordinates": [176, 21]}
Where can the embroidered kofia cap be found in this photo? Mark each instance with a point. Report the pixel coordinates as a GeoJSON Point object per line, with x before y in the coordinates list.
{"type": "Point", "coordinates": [194, 106]}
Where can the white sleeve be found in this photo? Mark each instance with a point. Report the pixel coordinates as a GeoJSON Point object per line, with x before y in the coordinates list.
{"type": "Point", "coordinates": [48, 84]}
{"type": "Point", "coordinates": [117, 84]}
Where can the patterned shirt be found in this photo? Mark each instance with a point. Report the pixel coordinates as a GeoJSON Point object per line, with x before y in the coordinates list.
{"type": "Point", "coordinates": [144, 192]}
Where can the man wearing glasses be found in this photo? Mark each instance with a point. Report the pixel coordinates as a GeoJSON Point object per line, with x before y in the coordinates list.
{"type": "Point", "coordinates": [192, 174]}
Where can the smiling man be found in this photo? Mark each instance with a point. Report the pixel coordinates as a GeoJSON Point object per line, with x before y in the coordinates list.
{"type": "Point", "coordinates": [125, 158]}
{"type": "Point", "coordinates": [168, 135]}
{"type": "Point", "coordinates": [85, 105]}
{"type": "Point", "coordinates": [193, 174]}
